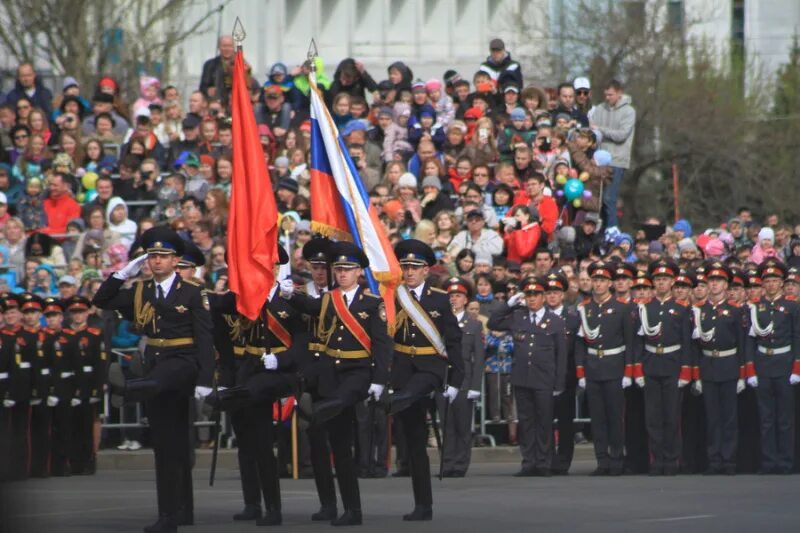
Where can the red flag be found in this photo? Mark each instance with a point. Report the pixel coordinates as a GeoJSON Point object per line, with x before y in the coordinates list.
{"type": "Point", "coordinates": [253, 217]}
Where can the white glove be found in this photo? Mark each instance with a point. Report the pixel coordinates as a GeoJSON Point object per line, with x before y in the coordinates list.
{"type": "Point", "coordinates": [375, 390]}
{"type": "Point", "coordinates": [557, 393]}
{"type": "Point", "coordinates": [36, 401]}
{"type": "Point", "coordinates": [753, 381]}
{"type": "Point", "coordinates": [9, 403]}
{"type": "Point", "coordinates": [270, 361]}
{"type": "Point", "coordinates": [739, 386]}
{"type": "Point", "coordinates": [697, 386]}
{"type": "Point", "coordinates": [682, 383]}
{"type": "Point", "coordinates": [200, 392]}
{"type": "Point", "coordinates": [640, 382]}
{"type": "Point", "coordinates": [516, 299]}
{"type": "Point", "coordinates": [287, 288]}
{"type": "Point", "coordinates": [582, 383]}
{"type": "Point", "coordinates": [626, 382]}
{"type": "Point", "coordinates": [52, 401]}
{"type": "Point", "coordinates": [94, 400]}
{"type": "Point", "coordinates": [450, 393]}
{"type": "Point", "coordinates": [75, 402]}
{"type": "Point", "coordinates": [473, 394]}
{"type": "Point", "coordinates": [794, 379]}
{"type": "Point", "coordinates": [132, 269]}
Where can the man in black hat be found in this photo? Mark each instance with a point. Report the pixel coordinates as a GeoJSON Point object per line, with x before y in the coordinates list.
{"type": "Point", "coordinates": [191, 259]}
{"type": "Point", "coordinates": [353, 365]}
{"type": "Point", "coordinates": [604, 353]}
{"type": "Point", "coordinates": [663, 366]}
{"type": "Point", "coordinates": [499, 65]}
{"type": "Point", "coordinates": [774, 342]}
{"type": "Point", "coordinates": [174, 315]}
{"type": "Point", "coordinates": [87, 349]}
{"type": "Point", "coordinates": [286, 193]}
{"type": "Point", "coordinates": [457, 440]}
{"type": "Point", "coordinates": [539, 371]}
{"type": "Point", "coordinates": [427, 358]}
{"type": "Point", "coordinates": [14, 374]}
{"type": "Point", "coordinates": [190, 126]}
{"type": "Point", "coordinates": [555, 287]}
{"type": "Point", "coordinates": [719, 330]}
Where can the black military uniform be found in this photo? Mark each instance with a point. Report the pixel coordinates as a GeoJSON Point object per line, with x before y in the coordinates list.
{"type": "Point", "coordinates": [352, 329]}
{"type": "Point", "coordinates": [774, 341]}
{"type": "Point", "coordinates": [6, 361]}
{"type": "Point", "coordinates": [719, 330]}
{"type": "Point", "coordinates": [457, 441]}
{"type": "Point", "coordinates": [564, 409]}
{"type": "Point", "coordinates": [694, 453]}
{"type": "Point", "coordinates": [63, 383]}
{"type": "Point", "coordinates": [664, 364]}
{"type": "Point", "coordinates": [637, 455]}
{"type": "Point", "coordinates": [538, 374]}
{"type": "Point", "coordinates": [17, 398]}
{"type": "Point", "coordinates": [174, 316]}
{"type": "Point", "coordinates": [604, 354]}
{"type": "Point", "coordinates": [419, 367]}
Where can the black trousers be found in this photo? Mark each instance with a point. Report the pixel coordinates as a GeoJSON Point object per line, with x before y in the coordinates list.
{"type": "Point", "coordinates": [637, 454]}
{"type": "Point", "coordinates": [606, 406]}
{"type": "Point", "coordinates": [722, 422]}
{"type": "Point", "coordinates": [662, 402]}
{"type": "Point", "coordinates": [61, 437]}
{"type": "Point", "coordinates": [564, 449]}
{"type": "Point", "coordinates": [5, 443]}
{"type": "Point", "coordinates": [535, 414]}
{"type": "Point", "coordinates": [372, 423]}
{"type": "Point", "coordinates": [457, 438]}
{"type": "Point", "coordinates": [321, 465]}
{"type": "Point", "coordinates": [41, 425]}
{"type": "Point", "coordinates": [693, 433]}
{"type": "Point", "coordinates": [248, 467]}
{"type": "Point", "coordinates": [19, 441]}
{"type": "Point", "coordinates": [415, 427]}
{"type": "Point", "coordinates": [776, 412]}
{"type": "Point", "coordinates": [81, 457]}
{"type": "Point", "coordinates": [748, 455]}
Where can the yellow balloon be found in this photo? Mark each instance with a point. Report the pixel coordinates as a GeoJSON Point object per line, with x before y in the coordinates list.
{"type": "Point", "coordinates": [89, 180]}
{"type": "Point", "coordinates": [80, 197]}
{"type": "Point", "coordinates": [576, 203]}
{"type": "Point", "coordinates": [561, 179]}
{"type": "Point", "coordinates": [584, 176]}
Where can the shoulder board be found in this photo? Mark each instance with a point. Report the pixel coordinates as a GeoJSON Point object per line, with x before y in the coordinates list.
{"type": "Point", "coordinates": [369, 294]}
{"type": "Point", "coordinates": [94, 331]}
{"type": "Point", "coordinates": [623, 300]}
{"type": "Point", "coordinates": [754, 300]}
{"type": "Point", "coordinates": [437, 289]}
{"type": "Point", "coordinates": [192, 281]}
{"type": "Point", "coordinates": [68, 331]}
{"type": "Point", "coordinates": [790, 297]}
{"type": "Point", "coordinates": [586, 301]}
{"type": "Point", "coordinates": [734, 303]}
{"type": "Point", "coordinates": [684, 303]}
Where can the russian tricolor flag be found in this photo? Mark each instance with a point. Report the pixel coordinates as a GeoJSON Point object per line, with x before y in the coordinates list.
{"type": "Point", "coordinates": [340, 207]}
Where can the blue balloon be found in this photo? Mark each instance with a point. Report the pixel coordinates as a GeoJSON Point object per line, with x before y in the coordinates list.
{"type": "Point", "coordinates": [90, 195]}
{"type": "Point", "coordinates": [573, 189]}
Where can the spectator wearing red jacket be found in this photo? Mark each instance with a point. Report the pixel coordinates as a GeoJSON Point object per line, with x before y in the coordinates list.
{"type": "Point", "coordinates": [522, 233]}
{"type": "Point", "coordinates": [538, 201]}
{"type": "Point", "coordinates": [60, 207]}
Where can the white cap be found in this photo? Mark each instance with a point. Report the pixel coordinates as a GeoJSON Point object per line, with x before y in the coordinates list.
{"type": "Point", "coordinates": [143, 112]}
{"type": "Point", "coordinates": [3, 199]}
{"type": "Point", "coordinates": [581, 83]}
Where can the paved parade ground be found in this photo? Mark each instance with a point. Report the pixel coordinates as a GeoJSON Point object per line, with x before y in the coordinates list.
{"type": "Point", "coordinates": [488, 500]}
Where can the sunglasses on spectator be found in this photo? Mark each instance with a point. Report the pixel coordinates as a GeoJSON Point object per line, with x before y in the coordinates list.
{"type": "Point", "coordinates": [582, 91]}
{"type": "Point", "coordinates": [21, 136]}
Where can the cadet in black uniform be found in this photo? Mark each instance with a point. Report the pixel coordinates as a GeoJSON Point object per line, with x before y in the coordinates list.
{"type": "Point", "coordinates": [663, 366]}
{"type": "Point", "coordinates": [774, 341]}
{"type": "Point", "coordinates": [457, 440]}
{"type": "Point", "coordinates": [694, 453]}
{"type": "Point", "coordinates": [352, 328]}
{"type": "Point", "coordinates": [719, 330]}
{"type": "Point", "coordinates": [555, 287]}
{"type": "Point", "coordinates": [604, 366]}
{"type": "Point", "coordinates": [427, 358]}
{"type": "Point", "coordinates": [538, 373]}
{"type": "Point", "coordinates": [63, 371]}
{"type": "Point", "coordinates": [16, 398]}
{"type": "Point", "coordinates": [173, 314]}
{"type": "Point", "coordinates": [6, 361]}
{"type": "Point", "coordinates": [90, 371]}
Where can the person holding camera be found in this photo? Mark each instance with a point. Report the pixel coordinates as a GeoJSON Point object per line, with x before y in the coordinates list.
{"type": "Point", "coordinates": [522, 232]}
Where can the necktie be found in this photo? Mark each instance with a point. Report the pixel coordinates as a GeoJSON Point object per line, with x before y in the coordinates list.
{"type": "Point", "coordinates": [346, 302]}
{"type": "Point", "coordinates": [159, 292]}
{"type": "Point", "coordinates": [416, 295]}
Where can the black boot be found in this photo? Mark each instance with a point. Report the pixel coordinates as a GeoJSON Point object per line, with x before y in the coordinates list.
{"type": "Point", "coordinates": [184, 517]}
{"type": "Point", "coordinates": [348, 518]}
{"type": "Point", "coordinates": [326, 409]}
{"type": "Point", "coordinates": [325, 513]}
{"type": "Point", "coordinates": [272, 517]}
{"type": "Point", "coordinates": [250, 512]}
{"type": "Point", "coordinates": [420, 512]}
{"type": "Point", "coordinates": [164, 524]}
{"type": "Point", "coordinates": [401, 401]}
{"type": "Point", "coordinates": [230, 399]}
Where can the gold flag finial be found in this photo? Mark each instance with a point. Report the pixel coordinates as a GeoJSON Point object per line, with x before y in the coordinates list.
{"type": "Point", "coordinates": [238, 33]}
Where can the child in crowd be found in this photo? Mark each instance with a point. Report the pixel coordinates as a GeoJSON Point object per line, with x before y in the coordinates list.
{"type": "Point", "coordinates": [30, 208]}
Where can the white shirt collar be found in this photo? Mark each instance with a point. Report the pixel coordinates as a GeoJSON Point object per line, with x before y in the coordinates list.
{"type": "Point", "coordinates": [538, 314]}
{"type": "Point", "coordinates": [166, 285]}
{"type": "Point", "coordinates": [272, 292]}
{"type": "Point", "coordinates": [350, 295]}
{"type": "Point", "coordinates": [460, 316]}
{"type": "Point", "coordinates": [418, 290]}
{"type": "Point", "coordinates": [558, 309]}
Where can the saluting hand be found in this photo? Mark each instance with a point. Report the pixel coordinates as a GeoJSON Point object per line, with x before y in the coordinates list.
{"type": "Point", "coordinates": [286, 288]}
{"type": "Point", "coordinates": [132, 269]}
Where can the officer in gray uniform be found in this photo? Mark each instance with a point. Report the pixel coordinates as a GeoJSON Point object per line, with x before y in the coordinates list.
{"type": "Point", "coordinates": [774, 341]}
{"type": "Point", "coordinates": [538, 374]}
{"type": "Point", "coordinates": [458, 432]}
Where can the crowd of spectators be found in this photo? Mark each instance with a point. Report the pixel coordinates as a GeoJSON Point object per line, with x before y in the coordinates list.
{"type": "Point", "coordinates": [502, 178]}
